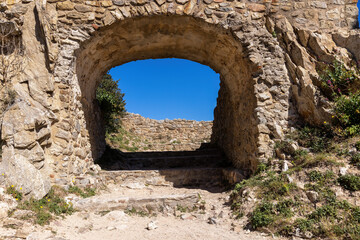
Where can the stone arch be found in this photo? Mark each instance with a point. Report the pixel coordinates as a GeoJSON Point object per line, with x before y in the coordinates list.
{"type": "Point", "coordinates": [238, 113]}
{"type": "Point", "coordinates": [78, 41]}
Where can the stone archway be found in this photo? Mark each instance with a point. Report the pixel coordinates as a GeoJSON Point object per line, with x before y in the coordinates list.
{"type": "Point", "coordinates": [246, 56]}
{"type": "Point", "coordinates": [235, 128]}
{"type": "Point", "coordinates": [260, 50]}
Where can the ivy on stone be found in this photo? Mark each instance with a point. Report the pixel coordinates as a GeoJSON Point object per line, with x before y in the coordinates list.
{"type": "Point", "coordinates": [111, 102]}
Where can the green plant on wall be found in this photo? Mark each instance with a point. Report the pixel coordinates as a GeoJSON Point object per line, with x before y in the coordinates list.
{"type": "Point", "coordinates": [111, 102]}
{"type": "Point", "coordinates": [343, 81]}
{"type": "Point", "coordinates": [339, 78]}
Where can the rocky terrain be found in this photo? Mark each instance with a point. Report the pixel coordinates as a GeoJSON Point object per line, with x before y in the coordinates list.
{"type": "Point", "coordinates": [95, 221]}
{"type": "Point", "coordinates": [144, 134]}
{"type": "Point", "coordinates": [161, 195]}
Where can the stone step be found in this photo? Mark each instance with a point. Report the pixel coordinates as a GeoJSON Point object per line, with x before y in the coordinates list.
{"type": "Point", "coordinates": [147, 204]}
{"type": "Point", "coordinates": [199, 152]}
{"type": "Point", "coordinates": [205, 178]}
{"type": "Point", "coordinates": [164, 162]}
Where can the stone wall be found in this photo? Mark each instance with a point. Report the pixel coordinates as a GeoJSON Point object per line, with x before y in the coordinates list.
{"type": "Point", "coordinates": [165, 135]}
{"type": "Point", "coordinates": [265, 51]}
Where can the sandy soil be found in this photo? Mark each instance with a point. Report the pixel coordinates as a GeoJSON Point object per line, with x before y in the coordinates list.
{"type": "Point", "coordinates": [116, 224]}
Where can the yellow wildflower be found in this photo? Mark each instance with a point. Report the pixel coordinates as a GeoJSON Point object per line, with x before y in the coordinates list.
{"type": "Point", "coordinates": [41, 206]}
{"type": "Point", "coordinates": [48, 200]}
{"type": "Point", "coordinates": [12, 186]}
{"type": "Point", "coordinates": [324, 122]}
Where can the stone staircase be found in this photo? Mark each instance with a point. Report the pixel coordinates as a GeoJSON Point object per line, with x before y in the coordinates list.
{"type": "Point", "coordinates": [161, 181]}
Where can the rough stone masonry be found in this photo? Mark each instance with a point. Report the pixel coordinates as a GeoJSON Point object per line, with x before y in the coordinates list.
{"type": "Point", "coordinates": [266, 52]}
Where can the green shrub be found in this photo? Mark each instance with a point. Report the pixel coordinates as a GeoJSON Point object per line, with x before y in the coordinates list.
{"type": "Point", "coordinates": [337, 78]}
{"type": "Point", "coordinates": [350, 182]}
{"type": "Point", "coordinates": [304, 224]}
{"type": "Point", "coordinates": [284, 208]}
{"type": "Point", "coordinates": [51, 203]}
{"type": "Point", "coordinates": [262, 215]}
{"type": "Point", "coordinates": [14, 193]}
{"type": "Point", "coordinates": [111, 102]}
{"type": "Point", "coordinates": [261, 168]}
{"type": "Point", "coordinates": [357, 145]}
{"type": "Point", "coordinates": [355, 159]}
{"type": "Point", "coordinates": [317, 176]}
{"type": "Point", "coordinates": [326, 211]}
{"type": "Point", "coordinates": [347, 111]}
{"type": "Point", "coordinates": [355, 214]}
{"type": "Point", "coordinates": [317, 139]}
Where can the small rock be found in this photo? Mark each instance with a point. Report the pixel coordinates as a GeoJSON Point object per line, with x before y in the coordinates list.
{"type": "Point", "coordinates": [116, 215]}
{"type": "Point", "coordinates": [177, 213]}
{"type": "Point", "coordinates": [21, 214]}
{"type": "Point", "coordinates": [152, 225]}
{"type": "Point", "coordinates": [285, 166]}
{"type": "Point", "coordinates": [221, 214]}
{"type": "Point", "coordinates": [187, 216]}
{"type": "Point", "coordinates": [212, 220]}
{"type": "Point", "coordinates": [343, 170]}
{"type": "Point", "coordinates": [312, 196]}
{"type": "Point", "coordinates": [290, 179]}
{"type": "Point", "coordinates": [308, 235]}
{"type": "Point", "coordinates": [134, 185]}
{"type": "Point", "coordinates": [111, 228]}
{"type": "Point", "coordinates": [352, 151]}
{"type": "Point", "coordinates": [279, 154]}
{"type": "Point", "coordinates": [293, 147]}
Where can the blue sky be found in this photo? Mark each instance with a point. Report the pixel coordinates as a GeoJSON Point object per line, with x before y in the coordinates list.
{"type": "Point", "coordinates": [168, 88]}
{"type": "Point", "coordinates": [358, 4]}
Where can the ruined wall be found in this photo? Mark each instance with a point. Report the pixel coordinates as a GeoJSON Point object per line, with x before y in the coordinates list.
{"type": "Point", "coordinates": [265, 51]}
{"type": "Point", "coordinates": [164, 135]}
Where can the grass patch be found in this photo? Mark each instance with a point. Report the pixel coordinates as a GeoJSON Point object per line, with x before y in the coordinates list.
{"type": "Point", "coordinates": [45, 208]}
{"type": "Point", "coordinates": [355, 160]}
{"type": "Point", "coordinates": [350, 182]}
{"type": "Point", "coordinates": [123, 140]}
{"type": "Point", "coordinates": [11, 190]}
{"type": "Point", "coordinates": [316, 139]}
{"type": "Point", "coordinates": [263, 215]}
{"type": "Point", "coordinates": [133, 211]}
{"type": "Point", "coordinates": [87, 192]}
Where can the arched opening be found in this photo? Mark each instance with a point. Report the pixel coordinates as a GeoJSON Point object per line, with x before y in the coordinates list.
{"type": "Point", "coordinates": [169, 88]}
{"type": "Point", "coordinates": [235, 126]}
{"type": "Point", "coordinates": [169, 105]}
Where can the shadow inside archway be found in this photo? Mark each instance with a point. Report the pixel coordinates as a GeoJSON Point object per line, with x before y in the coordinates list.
{"type": "Point", "coordinates": [205, 168]}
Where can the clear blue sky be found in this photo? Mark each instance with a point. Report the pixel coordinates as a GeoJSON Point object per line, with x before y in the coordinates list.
{"type": "Point", "coordinates": [168, 88]}
{"type": "Point", "coordinates": [358, 4]}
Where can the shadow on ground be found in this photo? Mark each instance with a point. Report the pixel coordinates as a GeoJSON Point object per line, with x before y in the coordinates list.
{"type": "Point", "coordinates": [201, 169]}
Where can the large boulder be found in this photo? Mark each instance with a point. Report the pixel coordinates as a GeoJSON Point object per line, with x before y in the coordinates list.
{"type": "Point", "coordinates": [23, 149]}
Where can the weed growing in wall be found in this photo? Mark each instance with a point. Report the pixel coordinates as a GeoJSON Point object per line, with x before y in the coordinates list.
{"type": "Point", "coordinates": [342, 82]}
